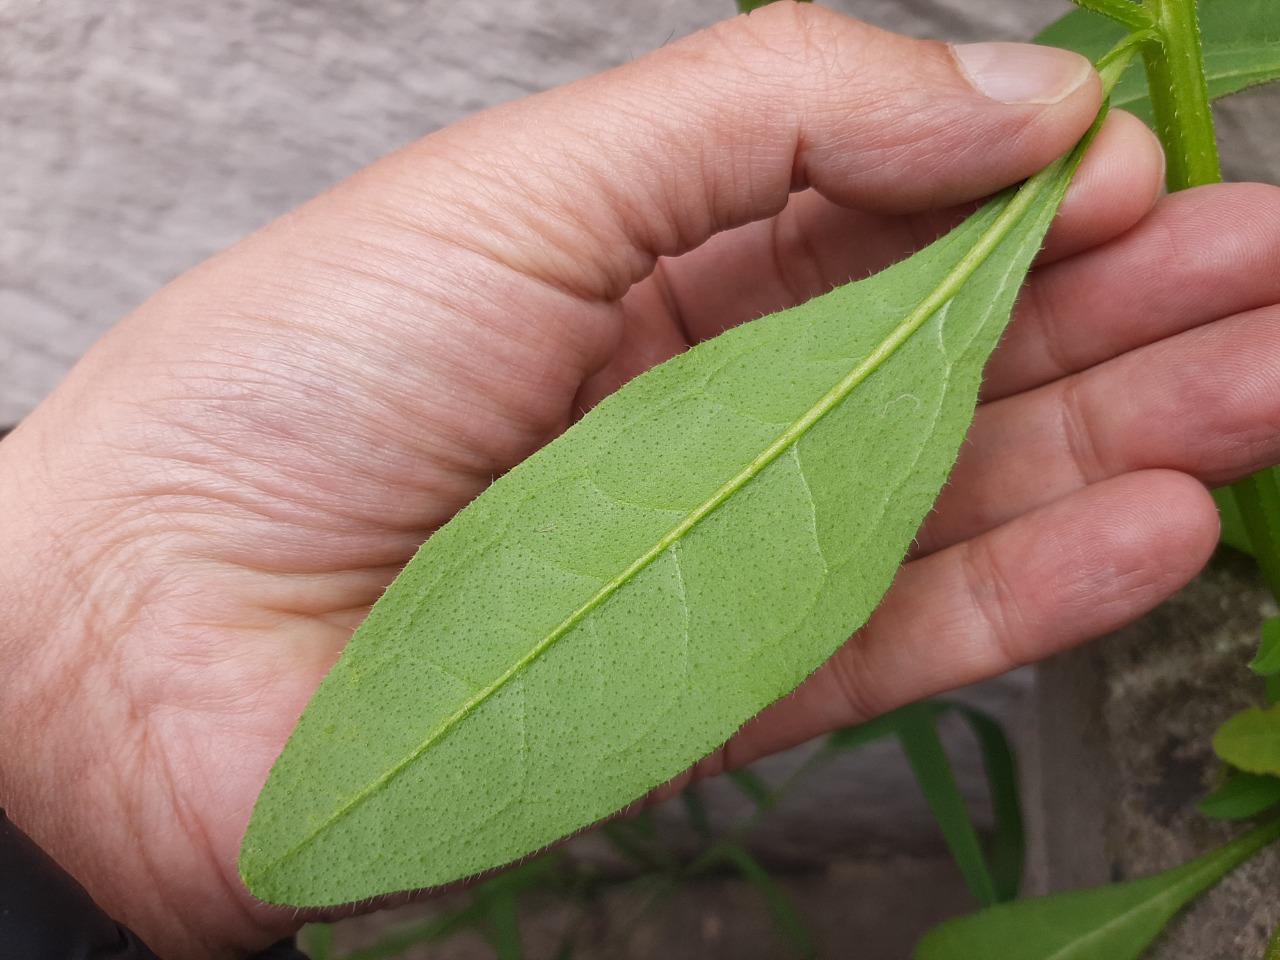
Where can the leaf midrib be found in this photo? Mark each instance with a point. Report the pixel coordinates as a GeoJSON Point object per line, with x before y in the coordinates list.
{"type": "Point", "coordinates": [950, 285]}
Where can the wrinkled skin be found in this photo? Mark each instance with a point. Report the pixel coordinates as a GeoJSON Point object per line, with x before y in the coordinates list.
{"type": "Point", "coordinates": [202, 512]}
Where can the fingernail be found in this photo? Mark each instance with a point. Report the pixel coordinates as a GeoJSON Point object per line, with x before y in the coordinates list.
{"type": "Point", "coordinates": [1022, 72]}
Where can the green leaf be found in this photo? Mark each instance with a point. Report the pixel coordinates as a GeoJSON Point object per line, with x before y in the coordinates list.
{"type": "Point", "coordinates": [991, 879]}
{"type": "Point", "coordinates": [1273, 948]}
{"type": "Point", "coordinates": [1250, 741]}
{"type": "Point", "coordinates": [1267, 662]}
{"type": "Point", "coordinates": [755, 789]}
{"type": "Point", "coordinates": [1241, 41]}
{"type": "Point", "coordinates": [502, 924]}
{"type": "Point", "coordinates": [877, 728]}
{"type": "Point", "coordinates": [617, 606]}
{"type": "Point", "coordinates": [1115, 922]}
{"type": "Point", "coordinates": [696, 811]}
{"type": "Point", "coordinates": [1273, 688]}
{"type": "Point", "coordinates": [746, 6]}
{"type": "Point", "coordinates": [1258, 499]}
{"type": "Point", "coordinates": [1242, 797]}
{"type": "Point", "coordinates": [918, 732]}
{"type": "Point", "coordinates": [1007, 855]}
{"type": "Point", "coordinates": [317, 940]}
{"type": "Point", "coordinates": [1234, 533]}
{"type": "Point", "coordinates": [784, 914]}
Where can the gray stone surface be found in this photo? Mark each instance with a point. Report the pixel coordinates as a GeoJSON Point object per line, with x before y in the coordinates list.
{"type": "Point", "coordinates": [137, 138]}
{"type": "Point", "coordinates": [1126, 734]}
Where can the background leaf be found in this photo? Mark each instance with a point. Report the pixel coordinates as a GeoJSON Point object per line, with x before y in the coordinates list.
{"type": "Point", "coordinates": [775, 898]}
{"type": "Point", "coordinates": [994, 877]}
{"type": "Point", "coordinates": [1267, 662]}
{"type": "Point", "coordinates": [1241, 48]}
{"type": "Point", "coordinates": [1115, 922]}
{"type": "Point", "coordinates": [919, 735]}
{"type": "Point", "coordinates": [1007, 854]}
{"type": "Point", "coordinates": [1251, 741]}
{"type": "Point", "coordinates": [1242, 796]}
{"type": "Point", "coordinates": [615, 607]}
{"type": "Point", "coordinates": [746, 6]}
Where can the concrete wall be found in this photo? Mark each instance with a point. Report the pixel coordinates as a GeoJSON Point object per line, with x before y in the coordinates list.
{"type": "Point", "coordinates": [139, 137]}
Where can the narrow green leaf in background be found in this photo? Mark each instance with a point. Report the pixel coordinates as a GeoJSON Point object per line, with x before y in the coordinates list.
{"type": "Point", "coordinates": [996, 876]}
{"type": "Point", "coordinates": [1234, 533]}
{"type": "Point", "coordinates": [617, 606]}
{"type": "Point", "coordinates": [1007, 852]}
{"type": "Point", "coordinates": [1242, 797]}
{"type": "Point", "coordinates": [755, 788]}
{"type": "Point", "coordinates": [775, 898]}
{"type": "Point", "coordinates": [1115, 922]}
{"type": "Point", "coordinates": [1273, 948]}
{"type": "Point", "coordinates": [746, 6]}
{"type": "Point", "coordinates": [923, 747]}
{"type": "Point", "coordinates": [1250, 741]}
{"type": "Point", "coordinates": [1267, 662]}
{"type": "Point", "coordinates": [1241, 48]}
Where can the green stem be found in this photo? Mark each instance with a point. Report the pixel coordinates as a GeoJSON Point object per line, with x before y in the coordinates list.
{"type": "Point", "coordinates": [1184, 122]}
{"type": "Point", "coordinates": [1180, 95]}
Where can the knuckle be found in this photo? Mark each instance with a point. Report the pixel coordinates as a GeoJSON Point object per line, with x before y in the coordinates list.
{"type": "Point", "coordinates": [995, 603]}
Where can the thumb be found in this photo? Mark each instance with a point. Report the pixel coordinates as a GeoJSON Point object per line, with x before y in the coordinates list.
{"type": "Point", "coordinates": [714, 131]}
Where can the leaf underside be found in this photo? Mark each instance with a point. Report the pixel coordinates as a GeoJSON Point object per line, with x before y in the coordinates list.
{"type": "Point", "coordinates": [617, 606]}
{"type": "Point", "coordinates": [1241, 40]}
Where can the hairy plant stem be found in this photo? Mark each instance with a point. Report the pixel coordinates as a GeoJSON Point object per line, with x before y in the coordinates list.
{"type": "Point", "coordinates": [1180, 95]}
{"type": "Point", "coordinates": [1184, 122]}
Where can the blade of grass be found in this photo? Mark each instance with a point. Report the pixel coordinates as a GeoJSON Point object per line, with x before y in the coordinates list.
{"type": "Point", "coordinates": [1007, 855]}
{"type": "Point", "coordinates": [779, 904]}
{"type": "Point", "coordinates": [696, 811]}
{"type": "Point", "coordinates": [396, 942]}
{"type": "Point", "coordinates": [1242, 796]}
{"type": "Point", "coordinates": [316, 940]}
{"type": "Point", "coordinates": [753, 787]}
{"type": "Point", "coordinates": [919, 735]}
{"type": "Point", "coordinates": [502, 924]}
{"type": "Point", "coordinates": [634, 842]}
{"type": "Point", "coordinates": [1233, 533]}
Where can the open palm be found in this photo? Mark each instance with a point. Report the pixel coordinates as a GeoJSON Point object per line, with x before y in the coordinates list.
{"type": "Point", "coordinates": [211, 502]}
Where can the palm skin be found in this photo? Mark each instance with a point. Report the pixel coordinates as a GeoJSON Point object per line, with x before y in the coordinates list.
{"type": "Point", "coordinates": [210, 503]}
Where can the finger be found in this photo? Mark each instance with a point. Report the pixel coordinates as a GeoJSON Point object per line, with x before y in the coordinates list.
{"type": "Point", "coordinates": [815, 245]}
{"type": "Point", "coordinates": [1115, 186]}
{"type": "Point", "coordinates": [1201, 254]}
{"type": "Point", "coordinates": [450, 300]}
{"type": "Point", "coordinates": [1205, 403]}
{"type": "Point", "coordinates": [1051, 580]}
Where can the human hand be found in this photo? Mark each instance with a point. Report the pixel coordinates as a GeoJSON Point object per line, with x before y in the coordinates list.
{"type": "Point", "coordinates": [205, 509]}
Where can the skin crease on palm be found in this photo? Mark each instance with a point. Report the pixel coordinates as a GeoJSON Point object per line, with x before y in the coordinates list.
{"type": "Point", "coordinates": [203, 511]}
